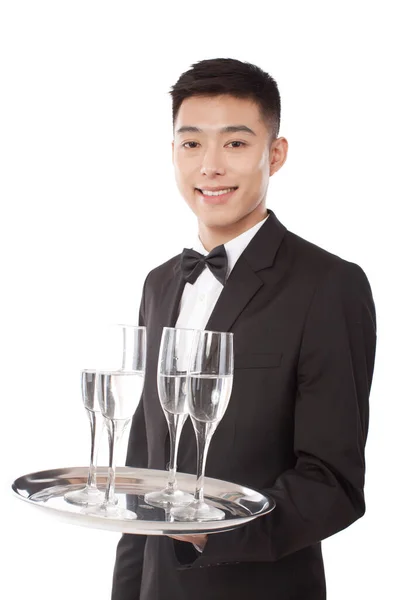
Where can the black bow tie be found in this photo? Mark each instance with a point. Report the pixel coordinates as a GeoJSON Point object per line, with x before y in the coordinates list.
{"type": "Point", "coordinates": [193, 263]}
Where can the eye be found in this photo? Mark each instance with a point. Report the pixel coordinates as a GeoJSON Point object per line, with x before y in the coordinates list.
{"type": "Point", "coordinates": [237, 142]}
{"type": "Point", "coordinates": [185, 144]}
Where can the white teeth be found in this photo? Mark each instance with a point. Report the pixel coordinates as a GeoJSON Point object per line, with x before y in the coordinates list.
{"type": "Point", "coordinates": [219, 193]}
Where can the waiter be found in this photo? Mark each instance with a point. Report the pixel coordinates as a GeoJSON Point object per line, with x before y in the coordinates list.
{"type": "Point", "coordinates": [304, 339]}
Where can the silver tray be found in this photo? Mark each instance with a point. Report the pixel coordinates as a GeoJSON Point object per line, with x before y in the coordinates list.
{"type": "Point", "coordinates": [44, 491]}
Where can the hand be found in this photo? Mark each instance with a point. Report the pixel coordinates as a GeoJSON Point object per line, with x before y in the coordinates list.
{"type": "Point", "coordinates": [199, 540]}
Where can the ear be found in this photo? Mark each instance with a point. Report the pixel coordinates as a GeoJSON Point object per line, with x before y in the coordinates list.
{"type": "Point", "coordinates": [278, 154]}
{"type": "Point", "coordinates": [172, 151]}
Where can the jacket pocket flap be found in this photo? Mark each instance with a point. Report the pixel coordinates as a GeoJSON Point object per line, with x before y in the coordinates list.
{"type": "Point", "coordinates": [258, 361]}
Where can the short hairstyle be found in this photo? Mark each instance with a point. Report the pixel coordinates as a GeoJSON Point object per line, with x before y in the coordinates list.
{"type": "Point", "coordinates": [217, 76]}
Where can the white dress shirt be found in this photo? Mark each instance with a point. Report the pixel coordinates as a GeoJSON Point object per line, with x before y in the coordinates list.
{"type": "Point", "coordinates": [198, 299]}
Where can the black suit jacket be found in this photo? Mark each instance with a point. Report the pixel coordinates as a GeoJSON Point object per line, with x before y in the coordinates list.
{"type": "Point", "coordinates": [304, 341]}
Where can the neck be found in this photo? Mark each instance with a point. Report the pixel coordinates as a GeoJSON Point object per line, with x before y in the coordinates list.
{"type": "Point", "coordinates": [211, 237]}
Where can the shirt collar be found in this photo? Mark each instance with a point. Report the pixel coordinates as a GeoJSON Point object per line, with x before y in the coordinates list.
{"type": "Point", "coordinates": [235, 247]}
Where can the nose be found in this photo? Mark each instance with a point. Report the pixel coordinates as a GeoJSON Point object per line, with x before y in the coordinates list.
{"type": "Point", "coordinates": [212, 163]}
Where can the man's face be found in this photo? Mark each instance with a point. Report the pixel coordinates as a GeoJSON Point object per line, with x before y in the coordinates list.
{"type": "Point", "coordinates": [210, 158]}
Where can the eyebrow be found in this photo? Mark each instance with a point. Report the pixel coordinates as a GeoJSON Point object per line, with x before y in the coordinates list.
{"type": "Point", "coordinates": [227, 129]}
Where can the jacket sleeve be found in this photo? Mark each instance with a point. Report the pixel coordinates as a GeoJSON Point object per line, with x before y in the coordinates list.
{"type": "Point", "coordinates": [129, 558]}
{"type": "Point", "coordinates": [323, 493]}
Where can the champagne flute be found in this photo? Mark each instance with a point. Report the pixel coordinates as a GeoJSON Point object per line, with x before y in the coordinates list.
{"type": "Point", "coordinates": [210, 384]}
{"type": "Point", "coordinates": [89, 495]}
{"type": "Point", "coordinates": [173, 363]}
{"type": "Point", "coordinates": [119, 391]}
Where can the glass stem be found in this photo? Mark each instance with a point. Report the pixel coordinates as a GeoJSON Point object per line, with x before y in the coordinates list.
{"type": "Point", "coordinates": [115, 429]}
{"type": "Point", "coordinates": [96, 427]}
{"type": "Point", "coordinates": [175, 426]}
{"type": "Point", "coordinates": [204, 432]}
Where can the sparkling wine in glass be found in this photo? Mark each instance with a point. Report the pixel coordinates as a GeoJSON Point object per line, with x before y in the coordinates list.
{"type": "Point", "coordinates": [172, 382]}
{"type": "Point", "coordinates": [119, 392]}
{"type": "Point", "coordinates": [210, 376]}
{"type": "Point", "coordinates": [90, 495]}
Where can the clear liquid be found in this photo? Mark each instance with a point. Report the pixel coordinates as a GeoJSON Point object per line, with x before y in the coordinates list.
{"type": "Point", "coordinates": [90, 400]}
{"type": "Point", "coordinates": [119, 393]}
{"type": "Point", "coordinates": [172, 390]}
{"type": "Point", "coordinates": [209, 396]}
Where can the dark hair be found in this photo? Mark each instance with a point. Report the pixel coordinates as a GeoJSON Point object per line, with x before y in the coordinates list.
{"type": "Point", "coordinates": [217, 76]}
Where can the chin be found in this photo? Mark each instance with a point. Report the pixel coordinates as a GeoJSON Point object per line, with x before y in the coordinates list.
{"type": "Point", "coordinates": [217, 220]}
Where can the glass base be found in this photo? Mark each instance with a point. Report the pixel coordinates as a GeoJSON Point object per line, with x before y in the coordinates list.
{"type": "Point", "coordinates": [198, 511]}
{"type": "Point", "coordinates": [85, 497]}
{"type": "Point", "coordinates": [110, 511]}
{"type": "Point", "coordinates": [167, 498]}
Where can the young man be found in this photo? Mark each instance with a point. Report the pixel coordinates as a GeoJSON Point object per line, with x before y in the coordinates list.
{"type": "Point", "coordinates": [304, 336]}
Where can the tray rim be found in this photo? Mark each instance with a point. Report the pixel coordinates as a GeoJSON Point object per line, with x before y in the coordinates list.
{"type": "Point", "coordinates": [154, 527]}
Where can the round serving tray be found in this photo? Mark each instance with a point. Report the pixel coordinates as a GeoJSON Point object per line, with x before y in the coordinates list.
{"type": "Point", "coordinates": [44, 491]}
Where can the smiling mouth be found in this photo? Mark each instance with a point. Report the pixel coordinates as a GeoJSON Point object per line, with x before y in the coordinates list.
{"type": "Point", "coordinates": [216, 193]}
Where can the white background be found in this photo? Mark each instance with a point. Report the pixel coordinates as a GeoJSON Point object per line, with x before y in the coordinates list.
{"type": "Point", "coordinates": [89, 205]}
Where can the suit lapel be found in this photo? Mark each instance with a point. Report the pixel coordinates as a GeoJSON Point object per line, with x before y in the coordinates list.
{"type": "Point", "coordinates": [244, 281]}
{"type": "Point", "coordinates": [239, 289]}
{"type": "Point", "coordinates": [176, 289]}
{"type": "Point", "coordinates": [171, 294]}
